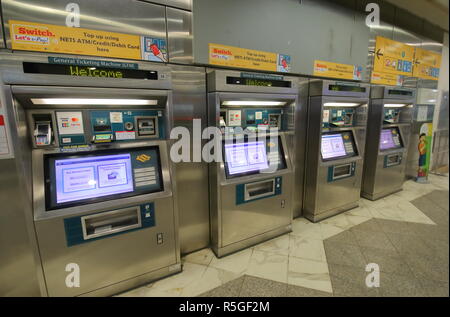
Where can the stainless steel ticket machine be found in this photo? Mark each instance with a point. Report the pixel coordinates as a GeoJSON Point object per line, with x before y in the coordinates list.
{"type": "Point", "coordinates": [91, 146]}
{"type": "Point", "coordinates": [251, 181]}
{"type": "Point", "coordinates": [388, 134]}
{"type": "Point", "coordinates": [337, 118]}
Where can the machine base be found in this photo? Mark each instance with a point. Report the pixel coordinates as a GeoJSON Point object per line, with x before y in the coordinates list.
{"type": "Point", "coordinates": [330, 213]}
{"type": "Point", "coordinates": [238, 246]}
{"type": "Point", "coordinates": [135, 281]}
{"type": "Point", "coordinates": [379, 195]}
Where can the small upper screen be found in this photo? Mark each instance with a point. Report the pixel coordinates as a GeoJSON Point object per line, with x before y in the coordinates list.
{"type": "Point", "coordinates": [92, 177]}
{"type": "Point", "coordinates": [332, 146]}
{"type": "Point", "coordinates": [390, 139]}
{"type": "Point", "coordinates": [246, 157]}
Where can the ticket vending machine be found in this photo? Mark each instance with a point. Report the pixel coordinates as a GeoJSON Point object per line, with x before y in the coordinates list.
{"type": "Point", "coordinates": [251, 179]}
{"type": "Point", "coordinates": [93, 149]}
{"type": "Point", "coordinates": [337, 118]}
{"type": "Point", "coordinates": [388, 134]}
{"type": "Point", "coordinates": [421, 139]}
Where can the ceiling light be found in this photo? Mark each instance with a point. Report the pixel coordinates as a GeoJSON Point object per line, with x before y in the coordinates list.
{"type": "Point", "coordinates": [395, 105]}
{"type": "Point", "coordinates": [252, 103]}
{"type": "Point", "coordinates": [92, 102]}
{"type": "Point", "coordinates": [341, 104]}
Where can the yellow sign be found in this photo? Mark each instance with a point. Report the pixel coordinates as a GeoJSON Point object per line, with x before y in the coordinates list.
{"type": "Point", "coordinates": [427, 64]}
{"type": "Point", "coordinates": [393, 57]}
{"type": "Point", "coordinates": [143, 158]}
{"type": "Point", "coordinates": [386, 79]}
{"type": "Point", "coordinates": [231, 56]}
{"type": "Point", "coordinates": [334, 70]}
{"type": "Point", "coordinates": [39, 37]}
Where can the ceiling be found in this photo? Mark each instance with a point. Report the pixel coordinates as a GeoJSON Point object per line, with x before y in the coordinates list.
{"type": "Point", "coordinates": [434, 11]}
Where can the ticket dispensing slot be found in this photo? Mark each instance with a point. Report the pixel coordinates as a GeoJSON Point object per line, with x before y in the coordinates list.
{"type": "Point", "coordinates": [111, 222]}
{"type": "Point", "coordinates": [392, 160]}
{"type": "Point", "coordinates": [259, 189]}
{"type": "Point", "coordinates": [147, 126]}
{"type": "Point", "coordinates": [43, 129]}
{"type": "Point", "coordinates": [341, 171]}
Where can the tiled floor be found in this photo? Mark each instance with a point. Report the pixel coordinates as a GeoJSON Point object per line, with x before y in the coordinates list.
{"type": "Point", "coordinates": [406, 234]}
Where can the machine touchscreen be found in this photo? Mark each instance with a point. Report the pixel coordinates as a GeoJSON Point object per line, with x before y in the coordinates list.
{"type": "Point", "coordinates": [83, 178]}
{"type": "Point", "coordinates": [246, 157]}
{"type": "Point", "coordinates": [87, 178]}
{"type": "Point", "coordinates": [332, 146]}
{"type": "Point", "coordinates": [337, 145]}
{"type": "Point", "coordinates": [252, 157]}
{"type": "Point", "coordinates": [390, 139]}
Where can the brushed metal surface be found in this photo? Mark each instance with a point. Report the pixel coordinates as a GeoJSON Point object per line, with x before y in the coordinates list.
{"type": "Point", "coordinates": [121, 16]}
{"type": "Point", "coordinates": [217, 81]}
{"type": "Point", "coordinates": [180, 36]}
{"type": "Point", "coordinates": [107, 265]}
{"type": "Point", "coordinates": [12, 73]}
{"type": "Point", "coordinates": [189, 103]}
{"type": "Point", "coordinates": [17, 264]}
{"type": "Point", "coordinates": [20, 270]}
{"type": "Point", "coordinates": [378, 181]}
{"type": "Point", "coordinates": [236, 226]}
{"type": "Point", "coordinates": [106, 261]}
{"type": "Point", "coordinates": [323, 199]}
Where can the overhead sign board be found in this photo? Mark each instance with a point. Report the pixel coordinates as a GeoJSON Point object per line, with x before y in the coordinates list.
{"type": "Point", "coordinates": [32, 36]}
{"type": "Point", "coordinates": [427, 64]}
{"type": "Point", "coordinates": [393, 57]}
{"type": "Point", "coordinates": [231, 56]}
{"type": "Point", "coordinates": [335, 70]}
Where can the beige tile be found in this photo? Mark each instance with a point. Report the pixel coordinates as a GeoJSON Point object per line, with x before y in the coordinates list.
{"type": "Point", "coordinates": [307, 248]}
{"type": "Point", "coordinates": [174, 285]}
{"type": "Point", "coordinates": [210, 279]}
{"type": "Point", "coordinates": [279, 245]}
{"type": "Point", "coordinates": [310, 274]}
{"type": "Point", "coordinates": [269, 266]}
{"type": "Point", "coordinates": [356, 220]}
{"type": "Point", "coordinates": [341, 221]}
{"type": "Point", "coordinates": [328, 230]}
{"type": "Point", "coordinates": [361, 211]}
{"type": "Point", "coordinates": [305, 228]}
{"type": "Point", "coordinates": [237, 262]}
{"type": "Point", "coordinates": [202, 257]}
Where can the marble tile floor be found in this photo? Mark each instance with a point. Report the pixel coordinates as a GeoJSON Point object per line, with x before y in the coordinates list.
{"type": "Point", "coordinates": [406, 234]}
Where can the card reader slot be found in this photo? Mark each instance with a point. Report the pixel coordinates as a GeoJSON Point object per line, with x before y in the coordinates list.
{"type": "Point", "coordinates": [259, 189]}
{"type": "Point", "coordinates": [393, 159]}
{"type": "Point", "coordinates": [341, 171]}
{"type": "Point", "coordinates": [110, 222]}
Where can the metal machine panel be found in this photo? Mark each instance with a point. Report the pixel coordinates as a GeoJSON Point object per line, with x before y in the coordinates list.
{"type": "Point", "coordinates": [179, 36]}
{"type": "Point", "coordinates": [338, 88]}
{"type": "Point", "coordinates": [12, 72]}
{"type": "Point", "coordinates": [189, 99]}
{"type": "Point", "coordinates": [113, 223]}
{"type": "Point", "coordinates": [121, 16]}
{"type": "Point", "coordinates": [217, 81]}
{"type": "Point", "coordinates": [333, 180]}
{"type": "Point", "coordinates": [248, 206]}
{"type": "Point", "coordinates": [384, 169]}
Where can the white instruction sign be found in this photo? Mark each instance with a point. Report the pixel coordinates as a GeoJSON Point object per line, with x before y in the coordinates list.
{"type": "Point", "coordinates": [70, 123]}
{"type": "Point", "coordinates": [422, 113]}
{"type": "Point", "coordinates": [5, 150]}
{"type": "Point", "coordinates": [234, 118]}
{"type": "Point", "coordinates": [326, 116]}
{"type": "Point", "coordinates": [116, 117]}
